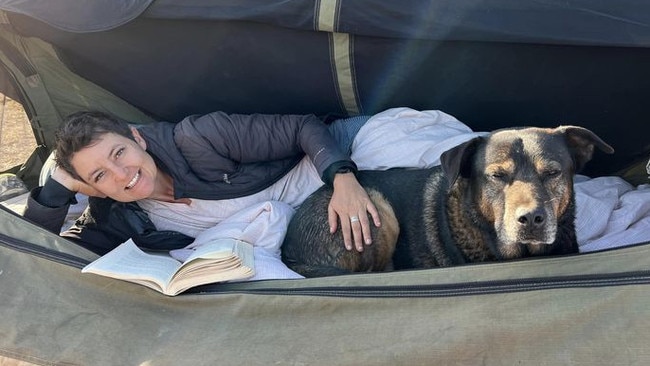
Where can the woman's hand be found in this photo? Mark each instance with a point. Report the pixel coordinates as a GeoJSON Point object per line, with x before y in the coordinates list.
{"type": "Point", "coordinates": [351, 204]}
{"type": "Point", "coordinates": [74, 185]}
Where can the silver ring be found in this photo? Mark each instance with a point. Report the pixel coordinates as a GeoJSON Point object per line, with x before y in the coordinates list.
{"type": "Point", "coordinates": [354, 218]}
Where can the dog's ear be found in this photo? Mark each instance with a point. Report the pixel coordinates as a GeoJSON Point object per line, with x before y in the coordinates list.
{"type": "Point", "coordinates": [457, 161]}
{"type": "Point", "coordinates": [581, 142]}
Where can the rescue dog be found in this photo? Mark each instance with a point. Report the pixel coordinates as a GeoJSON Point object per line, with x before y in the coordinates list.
{"type": "Point", "coordinates": [505, 195]}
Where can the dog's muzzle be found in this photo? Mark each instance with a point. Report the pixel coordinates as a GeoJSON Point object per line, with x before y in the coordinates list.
{"type": "Point", "coordinates": [534, 227]}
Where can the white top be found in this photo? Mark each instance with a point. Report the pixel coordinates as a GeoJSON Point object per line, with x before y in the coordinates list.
{"type": "Point", "coordinates": [200, 215]}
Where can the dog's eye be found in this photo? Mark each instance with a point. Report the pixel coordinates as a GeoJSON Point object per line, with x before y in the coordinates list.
{"type": "Point", "coordinates": [500, 176]}
{"type": "Point", "coordinates": [552, 173]}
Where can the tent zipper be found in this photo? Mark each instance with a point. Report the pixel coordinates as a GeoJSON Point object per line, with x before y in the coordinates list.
{"type": "Point", "coordinates": [39, 251]}
{"type": "Point", "coordinates": [452, 290]}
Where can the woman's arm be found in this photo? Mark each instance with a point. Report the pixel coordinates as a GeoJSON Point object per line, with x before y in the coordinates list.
{"type": "Point", "coordinates": [48, 206]}
{"type": "Point", "coordinates": [102, 226]}
{"type": "Point", "coordinates": [351, 205]}
{"type": "Point", "coordinates": [261, 137]}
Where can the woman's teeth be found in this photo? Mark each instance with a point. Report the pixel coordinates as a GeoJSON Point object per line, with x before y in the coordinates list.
{"type": "Point", "coordinates": [133, 181]}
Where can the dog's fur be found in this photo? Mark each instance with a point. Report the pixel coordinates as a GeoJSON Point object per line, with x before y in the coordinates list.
{"type": "Point", "coordinates": [505, 195]}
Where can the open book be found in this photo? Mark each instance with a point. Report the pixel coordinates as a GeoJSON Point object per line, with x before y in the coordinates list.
{"type": "Point", "coordinates": [214, 261]}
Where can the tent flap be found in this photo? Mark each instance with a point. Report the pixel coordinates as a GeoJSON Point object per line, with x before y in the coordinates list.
{"type": "Point", "coordinates": [62, 316]}
{"type": "Point", "coordinates": [599, 22]}
{"type": "Point", "coordinates": [79, 16]}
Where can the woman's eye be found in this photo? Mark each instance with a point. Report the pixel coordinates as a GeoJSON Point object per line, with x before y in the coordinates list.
{"type": "Point", "coordinates": [119, 152]}
{"type": "Point", "coordinates": [99, 176]}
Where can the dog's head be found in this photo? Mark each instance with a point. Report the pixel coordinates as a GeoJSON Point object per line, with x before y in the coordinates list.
{"type": "Point", "coordinates": [520, 181]}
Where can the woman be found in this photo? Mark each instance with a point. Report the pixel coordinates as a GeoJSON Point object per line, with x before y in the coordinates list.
{"type": "Point", "coordinates": [149, 182]}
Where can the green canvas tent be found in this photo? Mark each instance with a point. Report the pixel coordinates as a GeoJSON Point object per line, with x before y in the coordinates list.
{"type": "Point", "coordinates": [490, 64]}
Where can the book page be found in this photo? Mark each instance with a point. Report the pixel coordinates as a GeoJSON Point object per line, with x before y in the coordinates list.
{"type": "Point", "coordinates": [218, 255]}
{"type": "Point", "coordinates": [223, 248]}
{"type": "Point", "coordinates": [206, 275]}
{"type": "Point", "coordinates": [128, 262]}
{"type": "Point", "coordinates": [220, 260]}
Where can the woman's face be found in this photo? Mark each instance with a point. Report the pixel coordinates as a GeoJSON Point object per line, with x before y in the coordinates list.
{"type": "Point", "coordinates": [118, 167]}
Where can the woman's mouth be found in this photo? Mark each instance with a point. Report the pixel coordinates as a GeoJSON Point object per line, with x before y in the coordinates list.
{"type": "Point", "coordinates": [133, 181]}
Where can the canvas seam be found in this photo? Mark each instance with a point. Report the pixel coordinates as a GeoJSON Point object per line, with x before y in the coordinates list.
{"type": "Point", "coordinates": [341, 47]}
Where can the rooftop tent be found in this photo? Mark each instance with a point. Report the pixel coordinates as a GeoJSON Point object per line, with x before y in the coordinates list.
{"type": "Point", "coordinates": [490, 64]}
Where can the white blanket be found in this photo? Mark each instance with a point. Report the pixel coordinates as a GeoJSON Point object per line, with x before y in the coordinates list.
{"type": "Point", "coordinates": [611, 213]}
{"type": "Point", "coordinates": [264, 226]}
{"type": "Point", "coordinates": [406, 138]}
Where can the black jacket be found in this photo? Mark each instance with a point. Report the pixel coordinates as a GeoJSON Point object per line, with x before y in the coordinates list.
{"type": "Point", "coordinates": [214, 156]}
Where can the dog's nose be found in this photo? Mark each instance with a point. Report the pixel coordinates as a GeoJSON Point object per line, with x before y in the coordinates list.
{"type": "Point", "coordinates": [532, 218]}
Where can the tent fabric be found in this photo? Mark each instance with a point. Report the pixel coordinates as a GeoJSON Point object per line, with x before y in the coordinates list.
{"type": "Point", "coordinates": [490, 64]}
{"type": "Point", "coordinates": [505, 313]}
{"type": "Point", "coordinates": [55, 90]}
{"type": "Point", "coordinates": [567, 310]}
{"type": "Point", "coordinates": [253, 67]}
{"type": "Point", "coordinates": [79, 16]}
{"type": "Point", "coordinates": [599, 22]}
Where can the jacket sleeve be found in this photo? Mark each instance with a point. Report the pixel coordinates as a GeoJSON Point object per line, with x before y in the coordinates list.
{"type": "Point", "coordinates": [48, 205]}
{"type": "Point", "coordinates": [106, 223]}
{"type": "Point", "coordinates": [260, 137]}
{"type": "Point", "coordinates": [103, 225]}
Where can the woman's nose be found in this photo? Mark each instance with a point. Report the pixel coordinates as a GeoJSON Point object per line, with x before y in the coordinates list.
{"type": "Point", "coordinates": [119, 172]}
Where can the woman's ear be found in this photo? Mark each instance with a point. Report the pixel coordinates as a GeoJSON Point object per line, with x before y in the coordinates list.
{"type": "Point", "coordinates": [138, 138]}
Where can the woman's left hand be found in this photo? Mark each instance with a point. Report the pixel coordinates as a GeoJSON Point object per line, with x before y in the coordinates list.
{"type": "Point", "coordinates": [351, 204]}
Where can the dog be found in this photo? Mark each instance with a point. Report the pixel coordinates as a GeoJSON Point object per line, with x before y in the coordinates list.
{"type": "Point", "coordinates": [505, 195]}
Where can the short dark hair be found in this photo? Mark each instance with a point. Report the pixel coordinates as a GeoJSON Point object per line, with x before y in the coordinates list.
{"type": "Point", "coordinates": [80, 130]}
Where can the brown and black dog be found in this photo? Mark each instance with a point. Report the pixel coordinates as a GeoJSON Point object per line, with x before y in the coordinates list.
{"type": "Point", "coordinates": [505, 195]}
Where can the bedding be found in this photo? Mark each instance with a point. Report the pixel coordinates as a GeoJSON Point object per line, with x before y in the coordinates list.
{"type": "Point", "coordinates": [262, 224]}
{"type": "Point", "coordinates": [610, 212]}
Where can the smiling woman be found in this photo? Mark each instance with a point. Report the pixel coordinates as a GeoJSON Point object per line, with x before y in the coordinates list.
{"type": "Point", "coordinates": [16, 137]}
{"type": "Point", "coordinates": [490, 64]}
